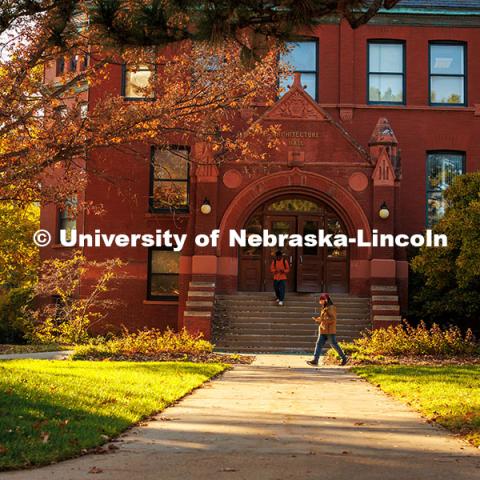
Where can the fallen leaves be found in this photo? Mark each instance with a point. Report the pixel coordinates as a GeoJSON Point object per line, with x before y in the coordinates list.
{"type": "Point", "coordinates": [95, 470]}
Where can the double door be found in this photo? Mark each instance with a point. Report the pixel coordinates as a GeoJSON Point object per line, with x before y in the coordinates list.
{"type": "Point", "coordinates": [312, 268]}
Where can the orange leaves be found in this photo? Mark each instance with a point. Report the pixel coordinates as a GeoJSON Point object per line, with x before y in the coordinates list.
{"type": "Point", "coordinates": [199, 92]}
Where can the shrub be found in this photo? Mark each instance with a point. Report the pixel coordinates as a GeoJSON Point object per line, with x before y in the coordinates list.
{"type": "Point", "coordinates": [148, 343]}
{"type": "Point", "coordinates": [407, 340]}
{"type": "Point", "coordinates": [449, 277]}
{"type": "Point", "coordinates": [19, 263]}
{"type": "Point", "coordinates": [70, 318]}
{"type": "Point", "coordinates": [13, 303]}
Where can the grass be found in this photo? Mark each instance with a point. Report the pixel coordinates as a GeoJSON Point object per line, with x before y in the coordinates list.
{"type": "Point", "coordinates": [54, 347]}
{"type": "Point", "coordinates": [53, 410]}
{"type": "Point", "coordinates": [448, 395]}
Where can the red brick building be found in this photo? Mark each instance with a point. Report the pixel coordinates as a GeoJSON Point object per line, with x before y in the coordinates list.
{"type": "Point", "coordinates": [390, 113]}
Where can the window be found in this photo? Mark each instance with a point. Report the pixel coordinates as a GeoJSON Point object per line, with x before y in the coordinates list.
{"type": "Point", "coordinates": [67, 218]}
{"type": "Point", "coordinates": [442, 168]}
{"type": "Point", "coordinates": [163, 266]}
{"type": "Point", "coordinates": [447, 74]}
{"type": "Point", "coordinates": [60, 67]}
{"type": "Point", "coordinates": [302, 56]}
{"type": "Point", "coordinates": [73, 63]}
{"type": "Point", "coordinates": [169, 179]}
{"type": "Point", "coordinates": [135, 81]}
{"type": "Point", "coordinates": [84, 63]}
{"type": "Point", "coordinates": [386, 72]}
{"type": "Point", "coordinates": [83, 107]}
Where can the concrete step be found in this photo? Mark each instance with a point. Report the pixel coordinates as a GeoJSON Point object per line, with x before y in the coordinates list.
{"type": "Point", "coordinates": [384, 298]}
{"type": "Point", "coordinates": [257, 339]}
{"type": "Point", "coordinates": [383, 288]}
{"type": "Point", "coordinates": [288, 312]}
{"type": "Point", "coordinates": [284, 330]}
{"type": "Point", "coordinates": [190, 313]}
{"type": "Point", "coordinates": [290, 298]}
{"type": "Point", "coordinates": [295, 294]}
{"type": "Point", "coordinates": [288, 307]}
{"type": "Point", "coordinates": [252, 321]}
{"type": "Point", "coordinates": [200, 293]}
{"type": "Point", "coordinates": [199, 303]}
{"type": "Point", "coordinates": [283, 317]}
{"type": "Point", "coordinates": [291, 322]}
{"type": "Point", "coordinates": [286, 303]}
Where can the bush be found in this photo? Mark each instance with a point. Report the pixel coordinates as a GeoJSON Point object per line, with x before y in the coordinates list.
{"type": "Point", "coordinates": [405, 340]}
{"type": "Point", "coordinates": [69, 320]}
{"type": "Point", "coordinates": [13, 303]}
{"type": "Point", "coordinates": [19, 263]}
{"type": "Point", "coordinates": [148, 344]}
{"type": "Point", "coordinates": [449, 277]}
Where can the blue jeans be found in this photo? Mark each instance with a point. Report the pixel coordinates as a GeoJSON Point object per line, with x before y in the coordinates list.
{"type": "Point", "coordinates": [322, 338]}
{"type": "Point", "coordinates": [279, 287]}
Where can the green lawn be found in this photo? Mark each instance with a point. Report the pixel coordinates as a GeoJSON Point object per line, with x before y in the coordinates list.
{"type": "Point", "coordinates": [450, 395]}
{"type": "Point", "coordinates": [51, 410]}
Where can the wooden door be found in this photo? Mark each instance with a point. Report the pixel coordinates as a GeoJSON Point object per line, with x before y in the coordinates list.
{"type": "Point", "coordinates": [277, 225]}
{"type": "Point", "coordinates": [310, 259]}
{"type": "Point", "coordinates": [336, 271]}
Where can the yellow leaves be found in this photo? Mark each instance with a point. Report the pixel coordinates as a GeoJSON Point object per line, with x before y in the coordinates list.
{"type": "Point", "coordinates": [200, 92]}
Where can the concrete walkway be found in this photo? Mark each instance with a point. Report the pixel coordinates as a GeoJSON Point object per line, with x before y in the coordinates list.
{"type": "Point", "coordinates": [61, 355]}
{"type": "Point", "coordinates": [279, 419]}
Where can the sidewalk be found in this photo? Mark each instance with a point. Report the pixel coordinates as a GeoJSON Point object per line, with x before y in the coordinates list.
{"type": "Point", "coordinates": [279, 419]}
{"type": "Point", "coordinates": [60, 355]}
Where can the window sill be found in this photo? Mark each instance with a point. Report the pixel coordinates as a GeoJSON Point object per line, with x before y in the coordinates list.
{"type": "Point", "coordinates": [139, 99]}
{"type": "Point", "coordinates": [432, 108]}
{"type": "Point", "coordinates": [177, 213]}
{"type": "Point", "coordinates": [160, 302]}
{"type": "Point", "coordinates": [59, 245]}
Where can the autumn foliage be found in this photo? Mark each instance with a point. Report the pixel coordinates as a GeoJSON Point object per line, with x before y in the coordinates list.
{"type": "Point", "coordinates": [197, 92]}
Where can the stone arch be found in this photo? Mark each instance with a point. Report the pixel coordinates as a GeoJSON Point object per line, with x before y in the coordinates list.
{"type": "Point", "coordinates": [300, 182]}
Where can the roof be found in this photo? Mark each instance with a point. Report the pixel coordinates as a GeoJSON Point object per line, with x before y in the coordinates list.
{"type": "Point", "coordinates": [438, 5]}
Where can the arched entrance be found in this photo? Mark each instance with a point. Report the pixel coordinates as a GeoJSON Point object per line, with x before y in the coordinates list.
{"type": "Point", "coordinates": [313, 269]}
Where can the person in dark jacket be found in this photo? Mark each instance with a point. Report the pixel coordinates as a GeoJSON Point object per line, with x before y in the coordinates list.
{"type": "Point", "coordinates": [280, 269]}
{"type": "Point", "coordinates": [327, 329]}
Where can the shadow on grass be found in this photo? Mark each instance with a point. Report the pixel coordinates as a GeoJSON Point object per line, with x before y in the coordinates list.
{"type": "Point", "coordinates": [51, 411]}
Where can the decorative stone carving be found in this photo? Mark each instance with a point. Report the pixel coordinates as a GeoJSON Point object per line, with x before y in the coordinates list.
{"type": "Point", "coordinates": [296, 106]}
{"type": "Point", "coordinates": [358, 182]}
{"type": "Point", "coordinates": [232, 178]}
{"type": "Point", "coordinates": [383, 175]}
{"type": "Point", "coordinates": [346, 114]}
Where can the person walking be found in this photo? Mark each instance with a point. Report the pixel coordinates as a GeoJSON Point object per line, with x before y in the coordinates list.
{"type": "Point", "coordinates": [327, 329]}
{"type": "Point", "coordinates": [280, 269]}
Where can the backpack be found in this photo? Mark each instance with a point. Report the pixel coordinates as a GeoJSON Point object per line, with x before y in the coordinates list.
{"type": "Point", "coordinates": [284, 264]}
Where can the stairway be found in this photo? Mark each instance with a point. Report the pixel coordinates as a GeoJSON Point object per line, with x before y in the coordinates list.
{"type": "Point", "coordinates": [385, 306]}
{"type": "Point", "coordinates": [252, 321]}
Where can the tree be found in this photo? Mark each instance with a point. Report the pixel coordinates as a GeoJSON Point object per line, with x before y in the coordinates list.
{"type": "Point", "coordinates": [451, 275]}
{"type": "Point", "coordinates": [43, 145]}
{"type": "Point", "coordinates": [19, 265]}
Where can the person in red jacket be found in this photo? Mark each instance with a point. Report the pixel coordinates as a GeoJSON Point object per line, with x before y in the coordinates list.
{"type": "Point", "coordinates": [280, 268]}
